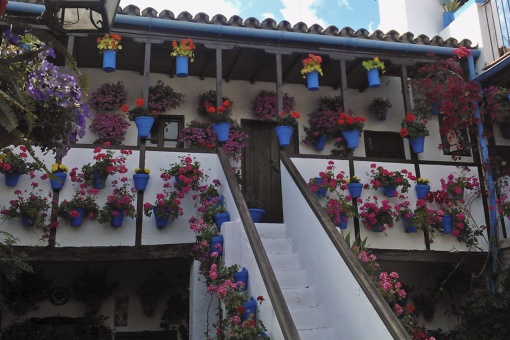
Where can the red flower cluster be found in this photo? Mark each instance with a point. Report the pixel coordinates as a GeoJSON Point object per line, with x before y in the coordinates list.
{"type": "Point", "coordinates": [347, 122]}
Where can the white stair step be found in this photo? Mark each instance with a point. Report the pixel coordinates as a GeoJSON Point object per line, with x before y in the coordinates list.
{"type": "Point", "coordinates": [318, 334]}
{"type": "Point", "coordinates": [308, 318]}
{"type": "Point", "coordinates": [292, 278]}
{"type": "Point", "coordinates": [281, 262]}
{"type": "Point", "coordinates": [277, 245]}
{"type": "Point", "coordinates": [300, 298]}
{"type": "Point", "coordinates": [271, 230]}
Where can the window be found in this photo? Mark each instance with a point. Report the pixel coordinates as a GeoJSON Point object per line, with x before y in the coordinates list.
{"type": "Point", "coordinates": [165, 131]}
{"type": "Point", "coordinates": [380, 144]}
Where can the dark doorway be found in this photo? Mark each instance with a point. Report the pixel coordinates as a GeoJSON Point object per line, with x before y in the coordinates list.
{"type": "Point", "coordinates": [261, 167]}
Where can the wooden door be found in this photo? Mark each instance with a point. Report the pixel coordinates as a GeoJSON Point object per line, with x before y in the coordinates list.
{"type": "Point", "coordinates": [261, 167]}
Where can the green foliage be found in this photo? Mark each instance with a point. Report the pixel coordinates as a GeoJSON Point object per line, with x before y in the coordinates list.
{"type": "Point", "coordinates": [450, 5]}
{"type": "Point", "coordinates": [91, 289]}
{"type": "Point", "coordinates": [12, 263]}
{"type": "Point", "coordinates": [25, 292]}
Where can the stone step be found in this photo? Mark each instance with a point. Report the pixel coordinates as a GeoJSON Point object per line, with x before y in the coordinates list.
{"type": "Point", "coordinates": [277, 245]}
{"type": "Point", "coordinates": [271, 230]}
{"type": "Point", "coordinates": [292, 278]}
{"type": "Point", "coordinates": [323, 333]}
{"type": "Point", "coordinates": [300, 298]}
{"type": "Point", "coordinates": [282, 262]}
{"type": "Point", "coordinates": [309, 318]}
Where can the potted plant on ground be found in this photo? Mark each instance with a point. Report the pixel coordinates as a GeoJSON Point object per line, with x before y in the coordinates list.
{"type": "Point", "coordinates": [108, 97]}
{"type": "Point", "coordinates": [110, 127]}
{"type": "Point", "coordinates": [390, 180]}
{"type": "Point", "coordinates": [285, 124]}
{"type": "Point", "coordinates": [141, 116]}
{"type": "Point", "coordinates": [323, 121]}
{"type": "Point", "coordinates": [13, 165]}
{"type": "Point", "coordinates": [31, 206]}
{"type": "Point", "coordinates": [255, 205]}
{"type": "Point", "coordinates": [183, 51]}
{"type": "Point", "coordinates": [351, 128]}
{"type": "Point", "coordinates": [340, 210]}
{"type": "Point", "coordinates": [415, 131]}
{"type": "Point", "coordinates": [163, 98]}
{"type": "Point", "coordinates": [118, 204]}
{"type": "Point", "coordinates": [265, 104]}
{"type": "Point", "coordinates": [373, 66]}
{"type": "Point", "coordinates": [379, 107]}
{"type": "Point", "coordinates": [109, 44]}
{"type": "Point", "coordinates": [106, 163]}
{"type": "Point", "coordinates": [311, 70]}
{"type": "Point", "coordinates": [376, 216]}
{"type": "Point", "coordinates": [167, 206]}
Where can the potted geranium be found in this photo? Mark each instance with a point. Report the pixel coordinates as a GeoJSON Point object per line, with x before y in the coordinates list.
{"type": "Point", "coordinates": [13, 165]}
{"type": "Point", "coordinates": [141, 116]}
{"type": "Point", "coordinates": [163, 98]}
{"type": "Point", "coordinates": [187, 173]}
{"type": "Point", "coordinates": [455, 184]}
{"type": "Point", "coordinates": [111, 127]}
{"type": "Point", "coordinates": [373, 66]}
{"type": "Point", "coordinates": [118, 204]}
{"type": "Point", "coordinates": [379, 107]}
{"type": "Point", "coordinates": [375, 215]}
{"type": "Point", "coordinates": [106, 163]}
{"type": "Point", "coordinates": [30, 206]}
{"type": "Point", "coordinates": [141, 178]}
{"type": "Point", "coordinates": [323, 121]}
{"type": "Point", "coordinates": [340, 210]}
{"type": "Point", "coordinates": [420, 217]}
{"type": "Point", "coordinates": [351, 128]}
{"type": "Point", "coordinates": [415, 131]}
{"type": "Point", "coordinates": [326, 180]}
{"type": "Point", "coordinates": [167, 206]}
{"type": "Point", "coordinates": [108, 97]}
{"type": "Point", "coordinates": [390, 180]}
{"type": "Point", "coordinates": [265, 104]}
{"type": "Point", "coordinates": [183, 51]}
{"type": "Point", "coordinates": [59, 172]}
{"type": "Point", "coordinates": [82, 204]}
{"type": "Point", "coordinates": [286, 122]}
{"type": "Point", "coordinates": [109, 44]}
{"type": "Point", "coordinates": [311, 70]}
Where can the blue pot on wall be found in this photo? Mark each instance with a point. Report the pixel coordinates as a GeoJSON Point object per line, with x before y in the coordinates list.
{"type": "Point", "coordinates": [144, 126]}
{"type": "Point", "coordinates": [436, 108]}
{"type": "Point", "coordinates": [321, 192]}
{"type": "Point", "coordinates": [320, 143]}
{"type": "Point", "coordinates": [220, 218]}
{"type": "Point", "coordinates": [422, 190]}
{"type": "Point", "coordinates": [11, 180]}
{"type": "Point", "coordinates": [181, 66]}
{"type": "Point", "coordinates": [389, 191]}
{"type": "Point", "coordinates": [99, 183]}
{"type": "Point", "coordinates": [344, 220]}
{"type": "Point", "coordinates": [408, 227]}
{"type": "Point", "coordinates": [77, 220]}
{"type": "Point", "coordinates": [373, 78]}
{"type": "Point", "coordinates": [352, 138]}
{"type": "Point", "coordinates": [312, 81]}
{"type": "Point", "coordinates": [355, 189]}
{"type": "Point", "coordinates": [26, 221]}
{"type": "Point", "coordinates": [140, 181]}
{"type": "Point", "coordinates": [222, 130]}
{"type": "Point", "coordinates": [284, 132]}
{"type": "Point", "coordinates": [161, 222]}
{"type": "Point", "coordinates": [250, 307]}
{"type": "Point", "coordinates": [447, 224]}
{"type": "Point", "coordinates": [58, 183]}
{"type": "Point", "coordinates": [109, 60]}
{"type": "Point", "coordinates": [116, 221]}
{"type": "Point", "coordinates": [243, 277]}
{"type": "Point", "coordinates": [448, 17]}
{"type": "Point", "coordinates": [417, 143]}
{"type": "Point", "coordinates": [216, 245]}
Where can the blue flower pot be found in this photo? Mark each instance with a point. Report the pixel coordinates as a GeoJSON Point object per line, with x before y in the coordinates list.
{"type": "Point", "coordinates": [422, 190]}
{"type": "Point", "coordinates": [378, 228]}
{"type": "Point", "coordinates": [344, 220]}
{"type": "Point", "coordinates": [140, 181]}
{"type": "Point", "coordinates": [99, 183]}
{"type": "Point", "coordinates": [220, 218]}
{"type": "Point", "coordinates": [250, 307]}
{"type": "Point", "coordinates": [116, 221]}
{"type": "Point", "coordinates": [409, 228]}
{"type": "Point", "coordinates": [355, 189]}
{"type": "Point", "coordinates": [417, 143]}
{"type": "Point", "coordinates": [312, 81]}
{"type": "Point", "coordinates": [219, 202]}
{"type": "Point", "coordinates": [448, 18]}
{"type": "Point", "coordinates": [26, 222]}
{"type": "Point", "coordinates": [78, 220]}
{"type": "Point", "coordinates": [243, 277]}
{"type": "Point", "coordinates": [222, 130]}
{"type": "Point", "coordinates": [256, 214]}
{"type": "Point", "coordinates": [321, 192]}
{"type": "Point", "coordinates": [390, 191]}
{"type": "Point", "coordinates": [373, 78]}
{"type": "Point", "coordinates": [447, 224]}
{"type": "Point", "coordinates": [144, 125]}
{"type": "Point", "coordinates": [320, 143]}
{"type": "Point", "coordinates": [216, 245]}
{"type": "Point", "coordinates": [58, 183]}
{"type": "Point", "coordinates": [457, 197]}
{"type": "Point", "coordinates": [11, 180]}
{"type": "Point", "coordinates": [109, 60]}
{"type": "Point", "coordinates": [284, 132]}
{"type": "Point", "coordinates": [352, 138]}
{"type": "Point", "coordinates": [181, 66]}
{"type": "Point", "coordinates": [161, 222]}
{"type": "Point", "coordinates": [436, 108]}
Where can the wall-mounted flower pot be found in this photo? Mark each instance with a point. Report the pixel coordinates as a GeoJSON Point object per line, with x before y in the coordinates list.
{"type": "Point", "coordinates": [144, 125]}
{"type": "Point", "coordinates": [312, 81]}
{"type": "Point", "coordinates": [320, 143]}
{"type": "Point", "coordinates": [109, 60]}
{"type": "Point", "coordinates": [378, 228]}
{"type": "Point", "coordinates": [26, 221]}
{"type": "Point", "coordinates": [374, 80]}
{"type": "Point", "coordinates": [161, 222]}
{"type": "Point", "coordinates": [284, 132]}
{"type": "Point", "coordinates": [448, 18]}
{"type": "Point", "coordinates": [250, 307]}
{"type": "Point", "coordinates": [116, 221]}
{"type": "Point", "coordinates": [409, 228]}
{"type": "Point", "coordinates": [256, 214]}
{"type": "Point", "coordinates": [436, 108]}
{"type": "Point", "coordinates": [220, 218]}
{"type": "Point", "coordinates": [222, 129]}
{"type": "Point", "coordinates": [321, 192]}
{"type": "Point", "coordinates": [99, 182]}
{"type": "Point", "coordinates": [344, 220]}
{"type": "Point", "coordinates": [243, 277]}
{"type": "Point", "coordinates": [422, 190]}
{"type": "Point", "coordinates": [181, 66]}
{"type": "Point", "coordinates": [352, 138]}
{"type": "Point", "coordinates": [355, 189]}
{"type": "Point", "coordinates": [417, 143]}
{"type": "Point", "coordinates": [11, 179]}
{"type": "Point", "coordinates": [447, 224]}
{"type": "Point", "coordinates": [457, 196]}
{"type": "Point", "coordinates": [389, 191]}
{"type": "Point", "coordinates": [76, 221]}
{"type": "Point", "coordinates": [216, 245]}
{"type": "Point", "coordinates": [58, 183]}
{"type": "Point", "coordinates": [140, 181]}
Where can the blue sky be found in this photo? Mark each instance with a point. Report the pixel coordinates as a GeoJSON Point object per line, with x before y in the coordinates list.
{"type": "Point", "coordinates": [341, 13]}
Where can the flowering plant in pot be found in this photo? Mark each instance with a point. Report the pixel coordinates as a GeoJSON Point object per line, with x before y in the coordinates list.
{"type": "Point", "coordinates": [167, 205]}
{"type": "Point", "coordinates": [375, 215]}
{"type": "Point", "coordinates": [265, 104]}
{"type": "Point", "coordinates": [420, 217]}
{"type": "Point", "coordinates": [187, 173]}
{"type": "Point", "coordinates": [198, 135]}
{"type": "Point", "coordinates": [108, 97]}
{"type": "Point", "coordinates": [184, 48]}
{"type": "Point", "coordinates": [375, 63]}
{"type": "Point", "coordinates": [415, 131]}
{"type": "Point", "coordinates": [83, 203]}
{"type": "Point", "coordinates": [379, 107]}
{"type": "Point", "coordinates": [219, 114]}
{"type": "Point", "coordinates": [209, 191]}
{"type": "Point", "coordinates": [349, 123]}
{"type": "Point", "coordinates": [11, 163]}
{"type": "Point", "coordinates": [58, 175]}
{"type": "Point", "coordinates": [138, 111]}
{"type": "Point", "coordinates": [455, 183]}
{"type": "Point", "coordinates": [118, 204]}
{"type": "Point", "coordinates": [208, 99]}
{"type": "Point", "coordinates": [340, 209]}
{"type": "Point", "coordinates": [109, 42]}
{"type": "Point", "coordinates": [287, 119]}
{"type": "Point", "coordinates": [110, 127]}
{"type": "Point", "coordinates": [312, 63]}
{"type": "Point", "coordinates": [326, 180]}
{"type": "Point", "coordinates": [382, 177]}
{"type": "Point", "coordinates": [163, 98]}
{"type": "Point", "coordinates": [106, 163]}
{"type": "Point", "coordinates": [324, 120]}
{"type": "Point", "coordinates": [31, 206]}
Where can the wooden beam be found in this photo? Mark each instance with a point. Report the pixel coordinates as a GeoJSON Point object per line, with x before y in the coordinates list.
{"type": "Point", "coordinates": [233, 65]}
{"type": "Point", "coordinates": [445, 257]}
{"type": "Point", "coordinates": [101, 254]}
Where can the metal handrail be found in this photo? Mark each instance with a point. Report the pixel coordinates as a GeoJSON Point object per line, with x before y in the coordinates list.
{"type": "Point", "coordinates": [380, 305]}
{"type": "Point", "coordinates": [280, 307]}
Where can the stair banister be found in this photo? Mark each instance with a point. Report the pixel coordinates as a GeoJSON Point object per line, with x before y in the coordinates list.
{"type": "Point", "coordinates": [280, 307]}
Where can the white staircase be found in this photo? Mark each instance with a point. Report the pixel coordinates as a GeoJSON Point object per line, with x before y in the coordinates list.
{"type": "Point", "coordinates": [307, 313]}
